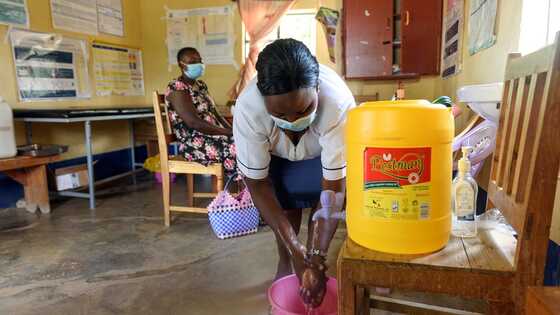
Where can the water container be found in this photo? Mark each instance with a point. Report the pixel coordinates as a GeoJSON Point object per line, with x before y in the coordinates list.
{"type": "Point", "coordinates": [7, 136]}
{"type": "Point", "coordinates": [399, 176]}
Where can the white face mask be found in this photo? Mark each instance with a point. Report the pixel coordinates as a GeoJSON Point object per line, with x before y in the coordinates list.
{"type": "Point", "coordinates": [297, 125]}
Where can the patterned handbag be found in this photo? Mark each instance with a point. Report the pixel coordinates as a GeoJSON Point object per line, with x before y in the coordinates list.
{"type": "Point", "coordinates": [232, 216]}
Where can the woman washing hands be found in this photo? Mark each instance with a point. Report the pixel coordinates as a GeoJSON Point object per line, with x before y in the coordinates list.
{"type": "Point", "coordinates": [289, 132]}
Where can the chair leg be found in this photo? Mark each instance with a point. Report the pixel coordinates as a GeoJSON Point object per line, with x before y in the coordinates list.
{"type": "Point", "coordinates": [190, 190]}
{"type": "Point", "coordinates": [362, 300]}
{"type": "Point", "coordinates": [219, 183]}
{"type": "Point", "coordinates": [215, 187]}
{"type": "Point", "coordinates": [166, 185]}
{"type": "Point", "coordinates": [346, 297]}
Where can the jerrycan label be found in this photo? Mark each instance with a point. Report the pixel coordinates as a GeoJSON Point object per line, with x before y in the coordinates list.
{"type": "Point", "coordinates": [397, 183]}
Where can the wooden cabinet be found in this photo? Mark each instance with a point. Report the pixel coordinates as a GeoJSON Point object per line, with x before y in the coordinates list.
{"type": "Point", "coordinates": [421, 36]}
{"type": "Point", "coordinates": [386, 39]}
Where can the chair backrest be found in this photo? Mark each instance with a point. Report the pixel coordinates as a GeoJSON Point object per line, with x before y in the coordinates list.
{"type": "Point", "coordinates": [163, 129]}
{"type": "Point", "coordinates": [526, 160]}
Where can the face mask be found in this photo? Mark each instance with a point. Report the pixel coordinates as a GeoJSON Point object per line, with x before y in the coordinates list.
{"type": "Point", "coordinates": [298, 125]}
{"type": "Point", "coordinates": [194, 71]}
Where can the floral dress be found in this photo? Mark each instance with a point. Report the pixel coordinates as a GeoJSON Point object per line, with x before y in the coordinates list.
{"type": "Point", "coordinates": [194, 145]}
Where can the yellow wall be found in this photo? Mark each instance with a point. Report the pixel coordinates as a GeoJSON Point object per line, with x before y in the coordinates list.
{"type": "Point", "coordinates": [488, 65]}
{"type": "Point", "coordinates": [218, 77]}
{"type": "Point", "coordinates": [107, 135]}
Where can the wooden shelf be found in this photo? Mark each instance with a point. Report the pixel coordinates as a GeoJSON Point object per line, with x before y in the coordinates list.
{"type": "Point", "coordinates": [392, 77]}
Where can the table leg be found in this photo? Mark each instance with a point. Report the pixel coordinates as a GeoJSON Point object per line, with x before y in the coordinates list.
{"type": "Point", "coordinates": [36, 190]}
{"type": "Point", "coordinates": [89, 156]}
{"type": "Point", "coordinates": [28, 132]}
{"type": "Point", "coordinates": [132, 153]}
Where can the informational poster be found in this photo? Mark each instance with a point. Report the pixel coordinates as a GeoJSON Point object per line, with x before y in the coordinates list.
{"type": "Point", "coordinates": [482, 25]}
{"type": "Point", "coordinates": [75, 15]}
{"type": "Point", "coordinates": [453, 37]}
{"type": "Point", "coordinates": [49, 66]}
{"type": "Point", "coordinates": [209, 30]}
{"type": "Point", "coordinates": [118, 70]}
{"type": "Point", "coordinates": [110, 17]}
{"type": "Point", "coordinates": [14, 12]}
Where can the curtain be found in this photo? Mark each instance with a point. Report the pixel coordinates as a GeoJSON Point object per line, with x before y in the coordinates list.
{"type": "Point", "coordinates": [260, 18]}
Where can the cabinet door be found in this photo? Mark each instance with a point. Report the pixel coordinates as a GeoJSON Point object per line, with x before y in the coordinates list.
{"type": "Point", "coordinates": [421, 36]}
{"type": "Point", "coordinates": [368, 32]}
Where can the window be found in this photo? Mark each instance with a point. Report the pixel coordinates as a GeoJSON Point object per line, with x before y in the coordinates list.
{"type": "Point", "coordinates": [297, 24]}
{"type": "Point", "coordinates": [540, 20]}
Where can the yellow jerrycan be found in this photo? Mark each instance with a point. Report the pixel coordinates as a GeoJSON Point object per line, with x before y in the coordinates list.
{"type": "Point", "coordinates": [399, 164]}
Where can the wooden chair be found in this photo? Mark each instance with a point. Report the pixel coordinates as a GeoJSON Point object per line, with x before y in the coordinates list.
{"type": "Point", "coordinates": [178, 165]}
{"type": "Point", "coordinates": [543, 301]}
{"type": "Point", "coordinates": [495, 266]}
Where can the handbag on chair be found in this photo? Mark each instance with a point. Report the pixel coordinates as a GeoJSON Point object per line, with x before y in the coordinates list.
{"type": "Point", "coordinates": [232, 216]}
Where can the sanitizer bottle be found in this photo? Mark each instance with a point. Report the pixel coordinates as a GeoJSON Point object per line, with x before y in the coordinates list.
{"type": "Point", "coordinates": [464, 190]}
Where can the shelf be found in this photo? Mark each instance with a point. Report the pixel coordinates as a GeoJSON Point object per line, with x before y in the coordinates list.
{"type": "Point", "coordinates": [392, 77]}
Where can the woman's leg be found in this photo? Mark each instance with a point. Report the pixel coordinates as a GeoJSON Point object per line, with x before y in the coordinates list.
{"type": "Point", "coordinates": [284, 267]}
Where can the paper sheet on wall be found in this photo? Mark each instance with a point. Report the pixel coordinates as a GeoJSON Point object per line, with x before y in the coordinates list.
{"type": "Point", "coordinates": [453, 38]}
{"type": "Point", "coordinates": [75, 15]}
{"type": "Point", "coordinates": [49, 66]}
{"type": "Point", "coordinates": [118, 70]}
{"type": "Point", "coordinates": [110, 17]}
{"type": "Point", "coordinates": [209, 30]}
{"type": "Point", "coordinates": [482, 25]}
{"type": "Point", "coordinates": [14, 12]}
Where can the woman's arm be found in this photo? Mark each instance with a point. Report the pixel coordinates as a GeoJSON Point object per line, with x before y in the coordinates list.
{"type": "Point", "coordinates": [265, 200]}
{"type": "Point", "coordinates": [182, 103]}
{"type": "Point", "coordinates": [314, 279]}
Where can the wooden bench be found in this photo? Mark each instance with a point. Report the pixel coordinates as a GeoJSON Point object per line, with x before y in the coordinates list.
{"type": "Point", "coordinates": [494, 266]}
{"type": "Point", "coordinates": [31, 172]}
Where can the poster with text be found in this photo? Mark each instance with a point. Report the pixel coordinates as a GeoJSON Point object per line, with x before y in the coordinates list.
{"type": "Point", "coordinates": [110, 17]}
{"type": "Point", "coordinates": [118, 70]}
{"type": "Point", "coordinates": [482, 24]}
{"type": "Point", "coordinates": [210, 30]}
{"type": "Point", "coordinates": [75, 15]}
{"type": "Point", "coordinates": [49, 67]}
{"type": "Point", "coordinates": [453, 38]}
{"type": "Point", "coordinates": [14, 12]}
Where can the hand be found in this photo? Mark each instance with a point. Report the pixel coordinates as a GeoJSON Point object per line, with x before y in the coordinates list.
{"type": "Point", "coordinates": [314, 284]}
{"type": "Point", "coordinates": [298, 261]}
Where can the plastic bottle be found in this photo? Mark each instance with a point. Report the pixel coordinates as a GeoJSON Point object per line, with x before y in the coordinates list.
{"type": "Point", "coordinates": [465, 190]}
{"type": "Point", "coordinates": [7, 135]}
{"type": "Point", "coordinates": [399, 164]}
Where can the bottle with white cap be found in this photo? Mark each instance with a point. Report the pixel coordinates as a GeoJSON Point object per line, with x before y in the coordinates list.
{"type": "Point", "coordinates": [7, 134]}
{"type": "Point", "coordinates": [465, 190]}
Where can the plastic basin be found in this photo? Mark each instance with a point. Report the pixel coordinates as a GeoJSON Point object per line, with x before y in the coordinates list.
{"type": "Point", "coordinates": [284, 298]}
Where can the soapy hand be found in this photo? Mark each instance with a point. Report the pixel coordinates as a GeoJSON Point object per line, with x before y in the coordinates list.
{"type": "Point", "coordinates": [313, 285]}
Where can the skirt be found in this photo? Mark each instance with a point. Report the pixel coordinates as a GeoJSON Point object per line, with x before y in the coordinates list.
{"type": "Point", "coordinates": [298, 184]}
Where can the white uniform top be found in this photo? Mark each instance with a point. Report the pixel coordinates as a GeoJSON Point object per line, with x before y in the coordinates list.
{"type": "Point", "coordinates": [257, 137]}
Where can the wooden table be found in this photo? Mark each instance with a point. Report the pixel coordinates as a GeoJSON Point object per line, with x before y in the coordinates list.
{"type": "Point", "coordinates": [31, 172]}
{"type": "Point", "coordinates": [87, 117]}
{"type": "Point", "coordinates": [543, 301]}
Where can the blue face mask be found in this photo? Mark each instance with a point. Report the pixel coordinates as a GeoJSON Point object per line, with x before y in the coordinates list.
{"type": "Point", "coordinates": [297, 125]}
{"type": "Point", "coordinates": [194, 71]}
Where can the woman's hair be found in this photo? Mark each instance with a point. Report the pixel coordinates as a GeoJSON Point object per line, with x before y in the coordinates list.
{"type": "Point", "coordinates": [184, 51]}
{"type": "Point", "coordinates": [286, 65]}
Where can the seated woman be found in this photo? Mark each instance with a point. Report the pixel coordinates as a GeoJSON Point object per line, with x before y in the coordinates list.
{"type": "Point", "coordinates": [204, 136]}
